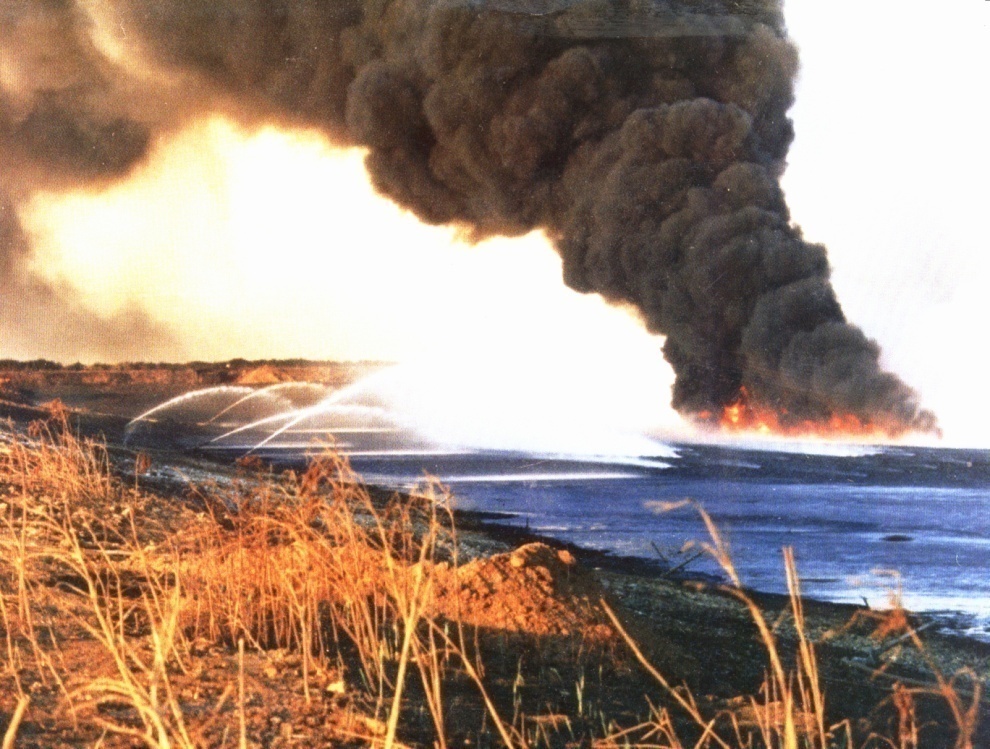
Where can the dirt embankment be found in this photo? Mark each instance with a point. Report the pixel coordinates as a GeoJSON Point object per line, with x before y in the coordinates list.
{"type": "Point", "coordinates": [48, 376]}
{"type": "Point", "coordinates": [128, 389]}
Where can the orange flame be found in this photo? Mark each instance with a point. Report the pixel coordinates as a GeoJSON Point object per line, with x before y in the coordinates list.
{"type": "Point", "coordinates": [744, 415]}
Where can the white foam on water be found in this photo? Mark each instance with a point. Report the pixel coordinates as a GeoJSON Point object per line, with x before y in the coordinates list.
{"type": "Point", "coordinates": [301, 447]}
{"type": "Point", "coordinates": [738, 464]}
{"type": "Point", "coordinates": [623, 460]}
{"type": "Point", "coordinates": [345, 430]}
{"type": "Point", "coordinates": [933, 603]}
{"type": "Point", "coordinates": [503, 478]}
{"type": "Point", "coordinates": [796, 446]}
{"type": "Point", "coordinates": [921, 603]}
{"type": "Point", "coordinates": [442, 452]}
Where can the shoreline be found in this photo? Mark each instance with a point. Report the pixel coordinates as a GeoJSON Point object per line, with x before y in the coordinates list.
{"type": "Point", "coordinates": [933, 622]}
{"type": "Point", "coordinates": [695, 631]}
{"type": "Point", "coordinates": [110, 428]}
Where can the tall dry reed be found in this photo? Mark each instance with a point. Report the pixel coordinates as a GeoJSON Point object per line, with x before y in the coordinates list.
{"type": "Point", "coordinates": [317, 564]}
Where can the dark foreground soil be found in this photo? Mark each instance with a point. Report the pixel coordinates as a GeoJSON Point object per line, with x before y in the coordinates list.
{"type": "Point", "coordinates": [554, 666]}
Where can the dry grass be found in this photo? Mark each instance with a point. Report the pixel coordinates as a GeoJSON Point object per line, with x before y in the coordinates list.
{"type": "Point", "coordinates": [790, 710]}
{"type": "Point", "coordinates": [112, 603]}
{"type": "Point", "coordinates": [307, 563]}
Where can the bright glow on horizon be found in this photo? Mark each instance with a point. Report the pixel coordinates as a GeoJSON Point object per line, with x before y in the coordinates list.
{"type": "Point", "coordinates": [272, 244]}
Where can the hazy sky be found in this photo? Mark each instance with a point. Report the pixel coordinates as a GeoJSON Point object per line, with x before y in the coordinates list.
{"type": "Point", "coordinates": [269, 244]}
{"type": "Point", "coordinates": [890, 170]}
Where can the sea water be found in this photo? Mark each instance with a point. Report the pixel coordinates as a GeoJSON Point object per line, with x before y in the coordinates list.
{"type": "Point", "coordinates": [866, 525]}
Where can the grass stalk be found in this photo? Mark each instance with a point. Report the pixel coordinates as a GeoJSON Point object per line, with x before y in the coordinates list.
{"type": "Point", "coordinates": [10, 735]}
{"type": "Point", "coordinates": [312, 565]}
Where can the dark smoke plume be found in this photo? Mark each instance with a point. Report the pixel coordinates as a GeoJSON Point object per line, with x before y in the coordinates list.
{"type": "Point", "coordinates": [63, 124]}
{"type": "Point", "coordinates": [645, 137]}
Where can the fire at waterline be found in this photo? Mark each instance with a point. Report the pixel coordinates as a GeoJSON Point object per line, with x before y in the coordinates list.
{"type": "Point", "coordinates": [646, 139]}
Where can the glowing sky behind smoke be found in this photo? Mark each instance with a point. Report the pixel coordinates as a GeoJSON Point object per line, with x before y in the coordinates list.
{"type": "Point", "coordinates": [190, 236]}
{"type": "Point", "coordinates": [892, 97]}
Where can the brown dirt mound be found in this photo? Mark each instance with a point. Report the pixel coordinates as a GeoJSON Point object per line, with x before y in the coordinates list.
{"type": "Point", "coordinates": [263, 375]}
{"type": "Point", "coordinates": [535, 590]}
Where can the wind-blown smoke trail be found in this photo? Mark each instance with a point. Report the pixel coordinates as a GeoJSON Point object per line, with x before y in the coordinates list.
{"type": "Point", "coordinates": [645, 137]}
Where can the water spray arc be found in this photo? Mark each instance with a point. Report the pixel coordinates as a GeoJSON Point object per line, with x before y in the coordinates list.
{"type": "Point", "coordinates": [381, 414]}
{"type": "Point", "coordinates": [291, 387]}
{"type": "Point", "coordinates": [245, 420]}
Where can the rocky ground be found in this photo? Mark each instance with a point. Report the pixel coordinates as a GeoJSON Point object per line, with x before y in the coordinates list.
{"type": "Point", "coordinates": [511, 642]}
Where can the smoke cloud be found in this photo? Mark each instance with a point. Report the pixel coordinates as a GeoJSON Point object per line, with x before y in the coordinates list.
{"type": "Point", "coordinates": [38, 317]}
{"type": "Point", "coordinates": [646, 138]}
{"type": "Point", "coordinates": [64, 123]}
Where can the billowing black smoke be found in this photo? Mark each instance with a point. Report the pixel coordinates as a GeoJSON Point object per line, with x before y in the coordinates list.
{"type": "Point", "coordinates": [645, 137]}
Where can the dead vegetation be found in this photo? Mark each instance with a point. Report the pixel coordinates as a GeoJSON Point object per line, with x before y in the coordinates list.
{"type": "Point", "coordinates": [298, 610]}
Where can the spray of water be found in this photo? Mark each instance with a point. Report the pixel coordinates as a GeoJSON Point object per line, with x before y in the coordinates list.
{"type": "Point", "coordinates": [399, 410]}
{"type": "Point", "coordinates": [290, 390]}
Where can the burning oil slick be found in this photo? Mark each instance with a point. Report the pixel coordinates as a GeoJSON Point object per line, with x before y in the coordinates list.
{"type": "Point", "coordinates": [645, 138]}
